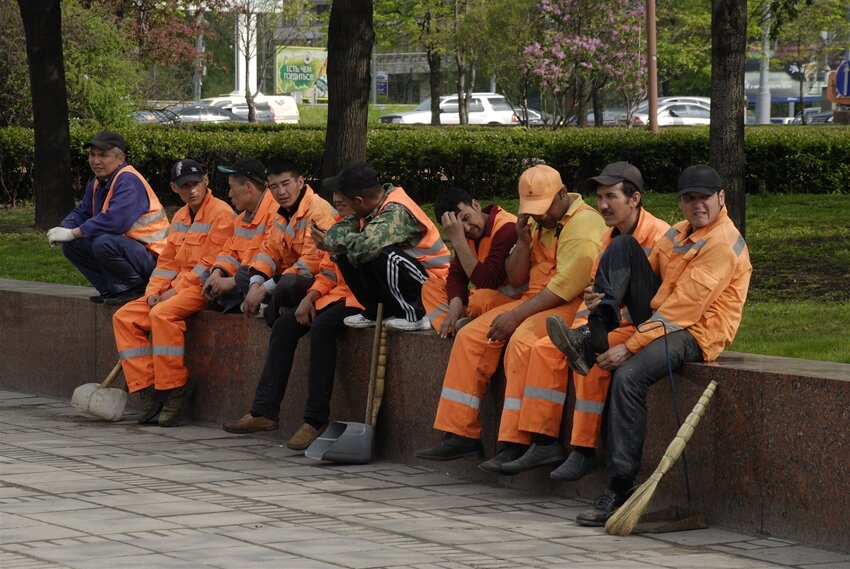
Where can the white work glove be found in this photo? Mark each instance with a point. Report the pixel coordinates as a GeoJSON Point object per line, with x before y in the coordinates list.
{"type": "Point", "coordinates": [60, 235]}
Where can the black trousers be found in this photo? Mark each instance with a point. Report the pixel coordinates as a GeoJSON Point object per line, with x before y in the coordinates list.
{"type": "Point", "coordinates": [289, 292]}
{"type": "Point", "coordinates": [625, 277]}
{"type": "Point", "coordinates": [231, 301]}
{"type": "Point", "coordinates": [286, 332]}
{"type": "Point", "coordinates": [393, 278]}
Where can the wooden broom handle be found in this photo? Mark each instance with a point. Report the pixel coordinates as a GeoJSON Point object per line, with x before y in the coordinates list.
{"type": "Point", "coordinates": [373, 368]}
{"type": "Point", "coordinates": [112, 375]}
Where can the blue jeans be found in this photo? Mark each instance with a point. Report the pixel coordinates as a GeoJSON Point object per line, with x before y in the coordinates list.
{"type": "Point", "coordinates": [111, 263]}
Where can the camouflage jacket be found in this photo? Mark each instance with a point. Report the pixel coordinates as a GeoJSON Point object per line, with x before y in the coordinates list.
{"type": "Point", "coordinates": [394, 225]}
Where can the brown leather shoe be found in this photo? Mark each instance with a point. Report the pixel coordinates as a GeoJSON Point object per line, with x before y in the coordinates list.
{"type": "Point", "coordinates": [250, 424]}
{"type": "Point", "coordinates": [305, 435]}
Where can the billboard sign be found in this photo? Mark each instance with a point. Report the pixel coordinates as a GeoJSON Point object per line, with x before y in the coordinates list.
{"type": "Point", "coordinates": [302, 70]}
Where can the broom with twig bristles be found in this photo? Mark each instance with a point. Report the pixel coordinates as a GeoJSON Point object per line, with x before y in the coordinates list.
{"type": "Point", "coordinates": [624, 520]}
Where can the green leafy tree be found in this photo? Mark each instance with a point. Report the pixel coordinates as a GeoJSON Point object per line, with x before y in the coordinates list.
{"type": "Point", "coordinates": [684, 47]}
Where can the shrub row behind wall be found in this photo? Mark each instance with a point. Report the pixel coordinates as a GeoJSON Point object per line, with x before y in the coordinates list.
{"type": "Point", "coordinates": [486, 161]}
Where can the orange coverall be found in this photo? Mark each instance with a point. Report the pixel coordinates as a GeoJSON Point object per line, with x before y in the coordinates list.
{"type": "Point", "coordinates": [591, 390]}
{"type": "Point", "coordinates": [434, 295]}
{"type": "Point", "coordinates": [248, 235]}
{"type": "Point", "coordinates": [190, 251]}
{"type": "Point", "coordinates": [561, 260]}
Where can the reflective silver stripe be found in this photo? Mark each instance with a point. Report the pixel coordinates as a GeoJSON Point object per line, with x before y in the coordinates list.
{"type": "Point", "coordinates": [685, 248]}
{"type": "Point", "coordinates": [198, 227]}
{"type": "Point", "coordinates": [513, 404]}
{"type": "Point", "coordinates": [460, 397]}
{"type": "Point", "coordinates": [421, 252]}
{"type": "Point", "coordinates": [158, 236]}
{"type": "Point", "coordinates": [285, 228]}
{"type": "Point", "coordinates": [168, 350]}
{"type": "Point", "coordinates": [509, 290]}
{"type": "Point", "coordinates": [227, 259]}
{"type": "Point", "coordinates": [301, 224]}
{"type": "Point", "coordinates": [179, 226]}
{"type": "Point", "coordinates": [669, 326]}
{"type": "Point", "coordinates": [671, 234]}
{"type": "Point", "coordinates": [438, 310]}
{"type": "Point", "coordinates": [248, 233]}
{"type": "Point", "coordinates": [134, 352]}
{"type": "Point", "coordinates": [266, 259]}
{"type": "Point", "coordinates": [329, 274]}
{"type": "Point", "coordinates": [552, 395]}
{"type": "Point", "coordinates": [739, 245]}
{"type": "Point", "coordinates": [436, 261]}
{"type": "Point", "coordinates": [149, 218]}
{"type": "Point", "coordinates": [199, 270]}
{"type": "Point", "coordinates": [302, 269]}
{"type": "Point", "coordinates": [646, 250]}
{"type": "Point", "coordinates": [586, 406]}
{"type": "Point", "coordinates": [163, 273]}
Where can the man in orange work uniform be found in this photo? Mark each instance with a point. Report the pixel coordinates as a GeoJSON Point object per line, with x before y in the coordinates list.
{"type": "Point", "coordinates": [322, 313]}
{"type": "Point", "coordinates": [155, 366]}
{"type": "Point", "coordinates": [618, 191]}
{"type": "Point", "coordinates": [482, 239]}
{"type": "Point", "coordinates": [288, 260]}
{"type": "Point", "coordinates": [228, 281]}
{"type": "Point", "coordinates": [701, 271]}
{"type": "Point", "coordinates": [554, 255]}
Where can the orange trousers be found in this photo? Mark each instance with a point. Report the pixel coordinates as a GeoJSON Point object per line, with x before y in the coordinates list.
{"type": "Point", "coordinates": [545, 396]}
{"type": "Point", "coordinates": [473, 362]}
{"type": "Point", "coordinates": [155, 359]}
{"type": "Point", "coordinates": [436, 304]}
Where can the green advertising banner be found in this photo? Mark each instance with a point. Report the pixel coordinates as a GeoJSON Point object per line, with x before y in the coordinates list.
{"type": "Point", "coordinates": [302, 70]}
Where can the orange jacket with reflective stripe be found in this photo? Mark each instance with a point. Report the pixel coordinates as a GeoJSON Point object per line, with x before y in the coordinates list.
{"type": "Point", "coordinates": [482, 248]}
{"type": "Point", "coordinates": [705, 276]}
{"type": "Point", "coordinates": [151, 229]}
{"type": "Point", "coordinates": [289, 247]}
{"type": "Point", "coordinates": [332, 286]}
{"type": "Point", "coordinates": [248, 235]}
{"type": "Point", "coordinates": [192, 245]}
{"type": "Point", "coordinates": [430, 251]}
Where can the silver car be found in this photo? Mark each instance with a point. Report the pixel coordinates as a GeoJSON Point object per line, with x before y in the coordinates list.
{"type": "Point", "coordinates": [484, 108]}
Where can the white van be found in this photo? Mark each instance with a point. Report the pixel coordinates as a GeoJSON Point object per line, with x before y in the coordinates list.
{"type": "Point", "coordinates": [484, 108]}
{"type": "Point", "coordinates": [284, 107]}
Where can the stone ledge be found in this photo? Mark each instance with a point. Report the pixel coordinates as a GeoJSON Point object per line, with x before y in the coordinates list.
{"type": "Point", "coordinates": [771, 455]}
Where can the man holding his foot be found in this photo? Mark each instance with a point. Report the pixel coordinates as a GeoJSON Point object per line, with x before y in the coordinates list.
{"type": "Point", "coordinates": [558, 241]}
{"type": "Point", "coordinates": [618, 191]}
{"type": "Point", "coordinates": [150, 331]}
{"type": "Point", "coordinates": [482, 239]}
{"type": "Point", "coordinates": [386, 250]}
{"type": "Point", "coordinates": [322, 312]}
{"type": "Point", "coordinates": [114, 235]}
{"type": "Point", "coordinates": [686, 302]}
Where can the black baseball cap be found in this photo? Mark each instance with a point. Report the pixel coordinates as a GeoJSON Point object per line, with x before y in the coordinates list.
{"type": "Point", "coordinates": [616, 173]}
{"type": "Point", "coordinates": [356, 176]}
{"type": "Point", "coordinates": [701, 178]}
{"type": "Point", "coordinates": [107, 140]}
{"type": "Point", "coordinates": [248, 167]}
{"type": "Point", "coordinates": [186, 171]}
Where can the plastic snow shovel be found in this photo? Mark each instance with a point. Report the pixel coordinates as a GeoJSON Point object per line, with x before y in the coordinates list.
{"type": "Point", "coordinates": [99, 399]}
{"type": "Point", "coordinates": [350, 442]}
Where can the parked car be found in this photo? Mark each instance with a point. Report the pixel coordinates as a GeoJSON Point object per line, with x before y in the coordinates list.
{"type": "Point", "coordinates": [535, 117]}
{"type": "Point", "coordinates": [824, 117]}
{"type": "Point", "coordinates": [643, 107]}
{"type": "Point", "coordinates": [781, 120]}
{"type": "Point", "coordinates": [264, 112]}
{"type": "Point", "coordinates": [484, 108]}
{"type": "Point", "coordinates": [205, 113]}
{"type": "Point", "coordinates": [283, 107]}
{"type": "Point", "coordinates": [676, 114]}
{"type": "Point", "coordinates": [810, 113]}
{"type": "Point", "coordinates": [155, 116]}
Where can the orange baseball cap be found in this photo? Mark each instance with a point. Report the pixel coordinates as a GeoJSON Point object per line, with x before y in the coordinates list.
{"type": "Point", "coordinates": [537, 186]}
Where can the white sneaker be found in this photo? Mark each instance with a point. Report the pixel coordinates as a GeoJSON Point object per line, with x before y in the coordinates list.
{"type": "Point", "coordinates": [402, 325]}
{"type": "Point", "coordinates": [358, 321]}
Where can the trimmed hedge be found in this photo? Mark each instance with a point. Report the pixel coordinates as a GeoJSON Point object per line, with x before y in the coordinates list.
{"type": "Point", "coordinates": [485, 161]}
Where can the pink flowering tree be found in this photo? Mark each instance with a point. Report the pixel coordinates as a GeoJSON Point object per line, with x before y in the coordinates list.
{"type": "Point", "coordinates": [590, 48]}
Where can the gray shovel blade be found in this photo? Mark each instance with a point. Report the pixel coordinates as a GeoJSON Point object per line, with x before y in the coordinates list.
{"type": "Point", "coordinates": [343, 442]}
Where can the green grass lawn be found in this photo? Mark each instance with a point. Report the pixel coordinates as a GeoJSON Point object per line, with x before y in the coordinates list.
{"type": "Point", "coordinates": [318, 114]}
{"type": "Point", "coordinates": [799, 301]}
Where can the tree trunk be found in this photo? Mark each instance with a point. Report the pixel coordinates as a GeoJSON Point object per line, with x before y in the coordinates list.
{"type": "Point", "coordinates": [434, 84]}
{"type": "Point", "coordinates": [53, 194]}
{"type": "Point", "coordinates": [598, 108]}
{"type": "Point", "coordinates": [462, 102]}
{"type": "Point", "coordinates": [726, 134]}
{"type": "Point", "coordinates": [350, 39]}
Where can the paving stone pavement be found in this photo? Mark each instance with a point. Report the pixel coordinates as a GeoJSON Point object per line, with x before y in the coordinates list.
{"type": "Point", "coordinates": [83, 494]}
